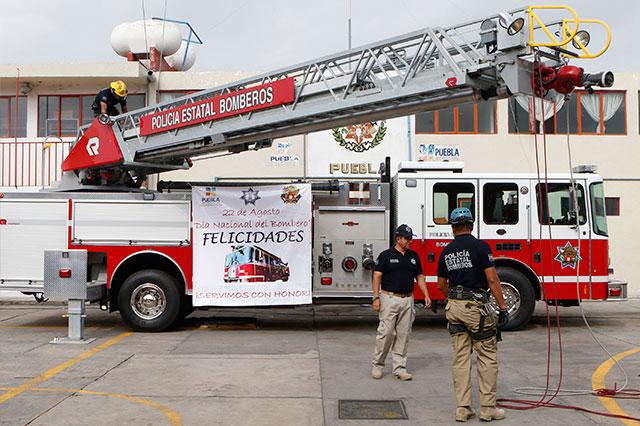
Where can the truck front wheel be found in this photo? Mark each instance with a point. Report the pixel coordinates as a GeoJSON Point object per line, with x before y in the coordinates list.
{"type": "Point", "coordinates": [519, 296]}
{"type": "Point", "coordinates": [149, 300]}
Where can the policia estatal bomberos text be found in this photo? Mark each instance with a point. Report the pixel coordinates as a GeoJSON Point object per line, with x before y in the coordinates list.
{"type": "Point", "coordinates": [396, 270]}
{"type": "Point", "coordinates": [466, 273]}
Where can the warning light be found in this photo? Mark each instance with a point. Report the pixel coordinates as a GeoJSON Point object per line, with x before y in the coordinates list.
{"type": "Point", "coordinates": [326, 280]}
{"type": "Point", "coordinates": [64, 273]}
{"type": "Point", "coordinates": [615, 292]}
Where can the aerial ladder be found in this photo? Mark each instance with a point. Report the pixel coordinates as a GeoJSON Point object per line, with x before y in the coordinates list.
{"type": "Point", "coordinates": [524, 51]}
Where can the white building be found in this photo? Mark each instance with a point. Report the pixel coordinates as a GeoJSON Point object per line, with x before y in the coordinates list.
{"type": "Point", "coordinates": [55, 99]}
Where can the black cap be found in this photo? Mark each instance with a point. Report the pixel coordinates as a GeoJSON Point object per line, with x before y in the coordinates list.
{"type": "Point", "coordinates": [405, 231]}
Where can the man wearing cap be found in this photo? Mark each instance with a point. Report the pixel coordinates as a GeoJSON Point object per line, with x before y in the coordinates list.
{"type": "Point", "coordinates": [466, 274]}
{"type": "Point", "coordinates": [396, 270]}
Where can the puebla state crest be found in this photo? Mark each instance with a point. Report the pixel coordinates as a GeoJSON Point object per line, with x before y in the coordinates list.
{"type": "Point", "coordinates": [568, 255]}
{"type": "Point", "coordinates": [360, 137]}
{"type": "Point", "coordinates": [290, 194]}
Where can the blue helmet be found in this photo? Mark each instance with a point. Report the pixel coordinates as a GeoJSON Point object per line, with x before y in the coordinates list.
{"type": "Point", "coordinates": [461, 215]}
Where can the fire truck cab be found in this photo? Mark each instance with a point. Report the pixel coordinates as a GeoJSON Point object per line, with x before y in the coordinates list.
{"type": "Point", "coordinates": [560, 258]}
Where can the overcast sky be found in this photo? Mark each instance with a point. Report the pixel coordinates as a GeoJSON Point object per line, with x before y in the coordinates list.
{"type": "Point", "coordinates": [251, 35]}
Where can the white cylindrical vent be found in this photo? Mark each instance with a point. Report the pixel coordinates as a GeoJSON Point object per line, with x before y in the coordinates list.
{"type": "Point", "coordinates": [130, 37]}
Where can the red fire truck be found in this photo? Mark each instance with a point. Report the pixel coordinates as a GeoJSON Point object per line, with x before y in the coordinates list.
{"type": "Point", "coordinates": [133, 247]}
{"type": "Point", "coordinates": [254, 264]}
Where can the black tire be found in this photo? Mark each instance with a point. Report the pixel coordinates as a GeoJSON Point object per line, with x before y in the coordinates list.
{"type": "Point", "coordinates": [162, 292]}
{"type": "Point", "coordinates": [514, 283]}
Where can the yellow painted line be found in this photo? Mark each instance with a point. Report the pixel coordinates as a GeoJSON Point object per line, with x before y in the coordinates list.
{"type": "Point", "coordinates": [59, 368]}
{"type": "Point", "coordinates": [597, 382]}
{"type": "Point", "coordinates": [173, 417]}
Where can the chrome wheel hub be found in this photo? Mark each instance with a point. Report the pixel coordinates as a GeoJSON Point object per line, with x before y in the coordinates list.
{"type": "Point", "coordinates": [148, 301]}
{"type": "Point", "coordinates": [511, 298]}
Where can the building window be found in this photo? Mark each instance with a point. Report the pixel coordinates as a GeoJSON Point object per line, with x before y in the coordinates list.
{"type": "Point", "coordinates": [450, 196]}
{"type": "Point", "coordinates": [600, 113]}
{"type": "Point", "coordinates": [465, 118]}
{"type": "Point", "coordinates": [12, 125]}
{"type": "Point", "coordinates": [612, 206]}
{"type": "Point", "coordinates": [500, 203]}
{"type": "Point", "coordinates": [60, 115]}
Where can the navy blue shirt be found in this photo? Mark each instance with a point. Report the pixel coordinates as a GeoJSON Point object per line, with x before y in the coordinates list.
{"type": "Point", "coordinates": [106, 95]}
{"type": "Point", "coordinates": [463, 262]}
{"type": "Point", "coordinates": [398, 270]}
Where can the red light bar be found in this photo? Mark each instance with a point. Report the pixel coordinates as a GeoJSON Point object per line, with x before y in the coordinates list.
{"type": "Point", "coordinates": [64, 273]}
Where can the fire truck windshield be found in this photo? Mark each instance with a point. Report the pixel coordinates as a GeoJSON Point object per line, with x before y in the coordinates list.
{"type": "Point", "coordinates": [596, 191]}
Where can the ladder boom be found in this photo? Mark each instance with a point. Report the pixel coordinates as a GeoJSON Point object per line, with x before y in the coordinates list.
{"type": "Point", "coordinates": [424, 70]}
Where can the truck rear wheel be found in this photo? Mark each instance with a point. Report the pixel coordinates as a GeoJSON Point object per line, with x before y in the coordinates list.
{"type": "Point", "coordinates": [519, 296]}
{"type": "Point", "coordinates": [149, 300]}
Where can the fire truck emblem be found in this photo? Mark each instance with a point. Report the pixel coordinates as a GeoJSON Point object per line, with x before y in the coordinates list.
{"type": "Point", "coordinates": [92, 147]}
{"type": "Point", "coordinates": [360, 137]}
{"type": "Point", "coordinates": [290, 194]}
{"type": "Point", "coordinates": [250, 197]}
{"type": "Point", "coordinates": [568, 256]}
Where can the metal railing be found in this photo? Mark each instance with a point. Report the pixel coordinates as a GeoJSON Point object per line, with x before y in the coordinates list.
{"type": "Point", "coordinates": [32, 164]}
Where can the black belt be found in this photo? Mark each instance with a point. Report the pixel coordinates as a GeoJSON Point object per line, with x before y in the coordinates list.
{"type": "Point", "coordinates": [465, 293]}
{"type": "Point", "coordinates": [391, 293]}
{"type": "Point", "coordinates": [476, 295]}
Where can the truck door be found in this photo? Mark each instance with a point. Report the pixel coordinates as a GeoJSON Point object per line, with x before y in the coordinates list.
{"type": "Point", "coordinates": [504, 219]}
{"type": "Point", "coordinates": [555, 229]}
{"type": "Point", "coordinates": [442, 196]}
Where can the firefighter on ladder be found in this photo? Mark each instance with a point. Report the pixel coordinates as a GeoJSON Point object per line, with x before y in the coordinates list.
{"type": "Point", "coordinates": [466, 274]}
{"type": "Point", "coordinates": [104, 104]}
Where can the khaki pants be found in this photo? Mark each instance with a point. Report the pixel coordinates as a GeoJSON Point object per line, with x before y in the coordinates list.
{"type": "Point", "coordinates": [396, 318]}
{"type": "Point", "coordinates": [468, 313]}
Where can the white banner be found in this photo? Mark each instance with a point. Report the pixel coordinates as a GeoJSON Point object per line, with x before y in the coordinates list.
{"type": "Point", "coordinates": [357, 151]}
{"type": "Point", "coordinates": [252, 245]}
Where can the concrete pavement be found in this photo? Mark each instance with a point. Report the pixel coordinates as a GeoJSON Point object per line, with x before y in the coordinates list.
{"type": "Point", "coordinates": [283, 367]}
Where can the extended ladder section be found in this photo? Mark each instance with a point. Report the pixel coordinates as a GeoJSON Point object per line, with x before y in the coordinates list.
{"type": "Point", "coordinates": [424, 70]}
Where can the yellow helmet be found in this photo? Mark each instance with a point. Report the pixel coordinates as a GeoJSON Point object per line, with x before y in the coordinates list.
{"type": "Point", "coordinates": [119, 88]}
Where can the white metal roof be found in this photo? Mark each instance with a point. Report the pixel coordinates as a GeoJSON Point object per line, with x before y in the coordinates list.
{"type": "Point", "coordinates": [505, 175]}
{"type": "Point", "coordinates": [453, 170]}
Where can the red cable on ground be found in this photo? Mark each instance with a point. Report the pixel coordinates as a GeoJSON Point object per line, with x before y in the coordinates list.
{"type": "Point", "coordinates": [613, 393]}
{"type": "Point", "coordinates": [528, 405]}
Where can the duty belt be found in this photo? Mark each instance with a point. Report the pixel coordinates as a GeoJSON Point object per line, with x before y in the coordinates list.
{"type": "Point", "coordinates": [464, 293]}
{"type": "Point", "coordinates": [476, 295]}
{"type": "Point", "coordinates": [397, 294]}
